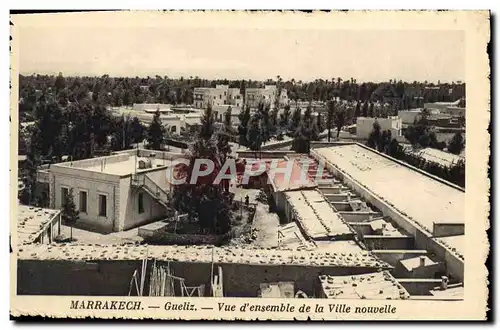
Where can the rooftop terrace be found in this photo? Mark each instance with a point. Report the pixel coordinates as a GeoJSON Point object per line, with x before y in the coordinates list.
{"type": "Point", "coordinates": [380, 285]}
{"type": "Point", "coordinates": [124, 163]}
{"type": "Point", "coordinates": [418, 196]}
{"type": "Point", "coordinates": [316, 216]}
{"type": "Point", "coordinates": [199, 254]}
{"type": "Point", "coordinates": [32, 221]}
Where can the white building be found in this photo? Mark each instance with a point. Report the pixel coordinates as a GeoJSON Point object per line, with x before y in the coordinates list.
{"type": "Point", "coordinates": [220, 95]}
{"type": "Point", "coordinates": [172, 118]}
{"type": "Point", "coordinates": [364, 126]}
{"type": "Point", "coordinates": [113, 193]}
{"type": "Point", "coordinates": [451, 108]}
{"type": "Point", "coordinates": [266, 95]}
{"type": "Point", "coordinates": [151, 107]}
{"type": "Point", "coordinates": [410, 116]}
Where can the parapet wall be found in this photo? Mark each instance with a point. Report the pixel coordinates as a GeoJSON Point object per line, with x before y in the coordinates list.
{"type": "Point", "coordinates": [112, 278]}
{"type": "Point", "coordinates": [96, 161]}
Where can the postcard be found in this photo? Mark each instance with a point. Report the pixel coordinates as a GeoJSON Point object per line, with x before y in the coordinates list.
{"type": "Point", "coordinates": [197, 165]}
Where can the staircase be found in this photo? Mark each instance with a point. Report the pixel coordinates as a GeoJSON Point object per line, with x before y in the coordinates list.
{"type": "Point", "coordinates": [142, 181]}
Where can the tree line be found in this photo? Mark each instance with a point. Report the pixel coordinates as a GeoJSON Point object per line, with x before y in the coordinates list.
{"type": "Point", "coordinates": [120, 91]}
{"type": "Point", "coordinates": [78, 131]}
{"type": "Point", "coordinates": [382, 141]}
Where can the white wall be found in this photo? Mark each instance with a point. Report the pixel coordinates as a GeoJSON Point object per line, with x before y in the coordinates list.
{"type": "Point", "coordinates": [129, 206]}
{"type": "Point", "coordinates": [364, 126]}
{"type": "Point", "coordinates": [409, 117]}
{"type": "Point", "coordinates": [94, 184]}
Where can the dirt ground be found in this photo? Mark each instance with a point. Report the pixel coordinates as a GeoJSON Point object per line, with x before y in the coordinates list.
{"type": "Point", "coordinates": [84, 236]}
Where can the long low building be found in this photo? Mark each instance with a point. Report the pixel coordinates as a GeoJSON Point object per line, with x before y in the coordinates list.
{"type": "Point", "coordinates": [406, 188]}
{"type": "Point", "coordinates": [316, 217]}
{"type": "Point", "coordinates": [430, 210]}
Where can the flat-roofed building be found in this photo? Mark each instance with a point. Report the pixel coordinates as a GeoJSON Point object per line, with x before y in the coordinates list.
{"type": "Point", "coordinates": [455, 109]}
{"type": "Point", "coordinates": [266, 95]}
{"type": "Point", "coordinates": [37, 225]}
{"type": "Point", "coordinates": [379, 286]}
{"type": "Point", "coordinates": [116, 192]}
{"type": "Point", "coordinates": [419, 203]}
{"type": "Point", "coordinates": [220, 95]}
{"type": "Point", "coordinates": [364, 126]}
{"type": "Point", "coordinates": [436, 156]}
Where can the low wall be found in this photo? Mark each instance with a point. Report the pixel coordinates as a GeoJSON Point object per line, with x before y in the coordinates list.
{"type": "Point", "coordinates": [262, 154]}
{"type": "Point", "coordinates": [161, 237]}
{"type": "Point", "coordinates": [419, 287]}
{"type": "Point", "coordinates": [112, 278]}
{"type": "Point", "coordinates": [392, 257]}
{"type": "Point", "coordinates": [448, 229]}
{"type": "Point", "coordinates": [377, 242]}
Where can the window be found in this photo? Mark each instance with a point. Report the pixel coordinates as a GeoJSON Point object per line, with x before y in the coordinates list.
{"type": "Point", "coordinates": [83, 201]}
{"type": "Point", "coordinates": [64, 196]}
{"type": "Point", "coordinates": [220, 96]}
{"type": "Point", "coordinates": [102, 205]}
{"type": "Point", "coordinates": [141, 203]}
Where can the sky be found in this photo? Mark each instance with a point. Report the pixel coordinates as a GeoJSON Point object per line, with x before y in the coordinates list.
{"type": "Point", "coordinates": [75, 44]}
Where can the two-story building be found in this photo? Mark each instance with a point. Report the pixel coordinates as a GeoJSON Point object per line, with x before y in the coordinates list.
{"type": "Point", "coordinates": [266, 95]}
{"type": "Point", "coordinates": [218, 96]}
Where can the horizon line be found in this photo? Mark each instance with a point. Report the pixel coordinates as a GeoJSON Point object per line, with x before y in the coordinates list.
{"type": "Point", "coordinates": [358, 81]}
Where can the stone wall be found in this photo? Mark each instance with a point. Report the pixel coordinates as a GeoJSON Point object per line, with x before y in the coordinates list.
{"type": "Point", "coordinates": [112, 278]}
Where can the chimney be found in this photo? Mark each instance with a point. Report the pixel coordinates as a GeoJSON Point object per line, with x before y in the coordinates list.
{"type": "Point", "coordinates": [422, 261]}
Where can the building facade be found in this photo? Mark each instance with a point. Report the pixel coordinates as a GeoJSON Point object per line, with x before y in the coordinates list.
{"type": "Point", "coordinates": [364, 126]}
{"type": "Point", "coordinates": [114, 193]}
{"type": "Point", "coordinates": [266, 95]}
{"type": "Point", "coordinates": [218, 96]}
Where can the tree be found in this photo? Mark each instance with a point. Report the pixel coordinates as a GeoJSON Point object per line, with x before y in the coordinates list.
{"type": "Point", "coordinates": [295, 122]}
{"type": "Point", "coordinates": [227, 120]}
{"type": "Point", "coordinates": [284, 118]}
{"type": "Point", "coordinates": [365, 109]}
{"type": "Point", "coordinates": [301, 140]}
{"type": "Point", "coordinates": [319, 123]}
{"type": "Point", "coordinates": [254, 135]}
{"type": "Point", "coordinates": [137, 130]}
{"type": "Point", "coordinates": [223, 137]}
{"type": "Point", "coordinates": [330, 118]}
{"type": "Point", "coordinates": [340, 118]}
{"type": "Point", "coordinates": [60, 83]}
{"type": "Point", "coordinates": [265, 123]}
{"type": "Point", "coordinates": [29, 172]}
{"type": "Point", "coordinates": [273, 122]}
{"type": "Point", "coordinates": [375, 136]}
{"type": "Point", "coordinates": [371, 110]}
{"type": "Point", "coordinates": [244, 118]}
{"type": "Point", "coordinates": [156, 132]}
{"type": "Point", "coordinates": [69, 213]}
{"type": "Point", "coordinates": [357, 111]}
{"type": "Point", "coordinates": [204, 199]}
{"type": "Point", "coordinates": [457, 144]}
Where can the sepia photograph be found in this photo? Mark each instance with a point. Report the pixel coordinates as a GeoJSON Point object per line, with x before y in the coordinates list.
{"type": "Point", "coordinates": [168, 157]}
